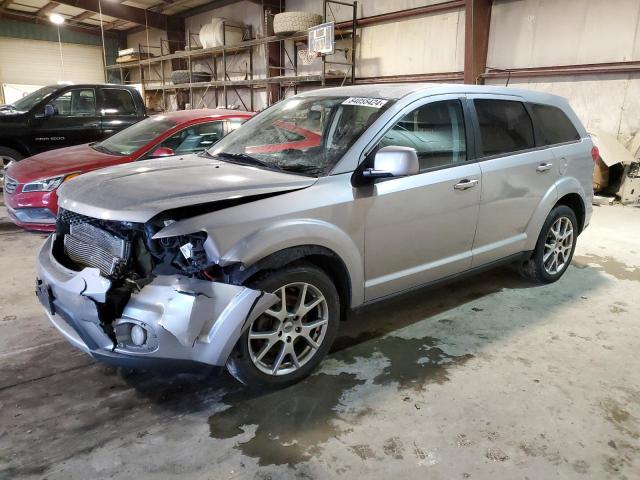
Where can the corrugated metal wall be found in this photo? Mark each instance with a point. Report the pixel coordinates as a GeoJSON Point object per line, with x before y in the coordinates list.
{"type": "Point", "coordinates": [37, 61]}
{"type": "Point", "coordinates": [47, 32]}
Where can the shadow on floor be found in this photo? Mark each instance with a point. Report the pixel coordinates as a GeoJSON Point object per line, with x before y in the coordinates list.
{"type": "Point", "coordinates": [290, 423]}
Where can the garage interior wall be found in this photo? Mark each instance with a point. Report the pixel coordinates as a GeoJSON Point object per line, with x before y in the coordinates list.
{"type": "Point", "coordinates": [429, 43]}
{"type": "Point", "coordinates": [150, 40]}
{"type": "Point", "coordinates": [247, 13]}
{"type": "Point", "coordinates": [523, 34]}
{"type": "Point", "coordinates": [36, 46]}
{"type": "Point", "coordinates": [82, 63]}
{"type": "Point", "coordinates": [535, 33]}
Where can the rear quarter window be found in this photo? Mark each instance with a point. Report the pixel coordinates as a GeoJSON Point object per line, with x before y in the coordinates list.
{"type": "Point", "coordinates": [505, 126]}
{"type": "Point", "coordinates": [554, 126]}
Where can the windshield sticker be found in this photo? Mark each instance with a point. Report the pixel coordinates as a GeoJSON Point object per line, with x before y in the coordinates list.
{"type": "Point", "coordinates": [365, 102]}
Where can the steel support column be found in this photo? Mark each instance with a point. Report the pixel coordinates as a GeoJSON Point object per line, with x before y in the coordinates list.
{"type": "Point", "coordinates": [476, 39]}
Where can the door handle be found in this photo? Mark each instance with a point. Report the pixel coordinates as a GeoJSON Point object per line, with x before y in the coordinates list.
{"type": "Point", "coordinates": [543, 167]}
{"type": "Point", "coordinates": [465, 184]}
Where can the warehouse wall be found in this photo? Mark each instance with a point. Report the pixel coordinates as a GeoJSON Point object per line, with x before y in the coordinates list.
{"type": "Point", "coordinates": [23, 43]}
{"type": "Point", "coordinates": [247, 13]}
{"type": "Point", "coordinates": [426, 44]}
{"type": "Point", "coordinates": [523, 34]}
{"type": "Point", "coordinates": [150, 41]}
{"type": "Point", "coordinates": [82, 63]}
{"type": "Point", "coordinates": [534, 33]}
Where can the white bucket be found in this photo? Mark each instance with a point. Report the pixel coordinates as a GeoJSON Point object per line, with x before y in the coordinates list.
{"type": "Point", "coordinates": [212, 34]}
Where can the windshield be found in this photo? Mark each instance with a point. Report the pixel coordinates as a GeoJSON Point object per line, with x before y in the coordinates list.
{"type": "Point", "coordinates": [307, 135]}
{"type": "Point", "coordinates": [136, 136]}
{"type": "Point", "coordinates": [27, 102]}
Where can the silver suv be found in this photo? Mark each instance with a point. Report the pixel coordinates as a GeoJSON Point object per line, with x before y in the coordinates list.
{"type": "Point", "coordinates": [250, 254]}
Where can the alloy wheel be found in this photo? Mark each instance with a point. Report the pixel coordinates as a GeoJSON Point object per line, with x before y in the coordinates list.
{"type": "Point", "coordinates": [558, 246]}
{"type": "Point", "coordinates": [286, 336]}
{"type": "Point", "coordinates": [4, 163]}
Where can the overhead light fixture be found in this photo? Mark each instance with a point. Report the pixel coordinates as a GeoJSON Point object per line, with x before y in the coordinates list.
{"type": "Point", "coordinates": [56, 18]}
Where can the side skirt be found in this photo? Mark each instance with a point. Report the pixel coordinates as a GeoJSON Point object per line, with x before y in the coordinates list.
{"type": "Point", "coordinates": [518, 257]}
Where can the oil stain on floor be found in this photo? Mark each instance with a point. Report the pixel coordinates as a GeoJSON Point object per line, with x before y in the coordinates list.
{"type": "Point", "coordinates": [292, 424]}
{"type": "Point", "coordinates": [609, 265]}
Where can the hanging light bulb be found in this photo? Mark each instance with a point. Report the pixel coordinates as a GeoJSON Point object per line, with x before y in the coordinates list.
{"type": "Point", "coordinates": [56, 18]}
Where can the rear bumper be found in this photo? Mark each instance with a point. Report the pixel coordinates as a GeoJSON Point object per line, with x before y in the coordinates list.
{"type": "Point", "coordinates": [185, 320]}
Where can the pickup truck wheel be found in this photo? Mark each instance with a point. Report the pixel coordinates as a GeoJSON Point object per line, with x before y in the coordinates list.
{"type": "Point", "coordinates": [286, 342]}
{"type": "Point", "coordinates": [555, 247]}
{"type": "Point", "coordinates": [7, 155]}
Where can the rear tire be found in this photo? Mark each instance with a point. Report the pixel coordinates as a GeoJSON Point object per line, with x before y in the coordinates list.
{"type": "Point", "coordinates": [554, 248]}
{"type": "Point", "coordinates": [288, 23]}
{"type": "Point", "coordinates": [287, 342]}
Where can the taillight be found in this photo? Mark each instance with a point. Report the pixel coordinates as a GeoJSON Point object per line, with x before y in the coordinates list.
{"type": "Point", "coordinates": [595, 153]}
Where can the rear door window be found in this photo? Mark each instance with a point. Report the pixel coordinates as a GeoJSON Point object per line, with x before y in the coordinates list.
{"type": "Point", "coordinates": [505, 126]}
{"type": "Point", "coordinates": [555, 127]}
{"type": "Point", "coordinates": [117, 101]}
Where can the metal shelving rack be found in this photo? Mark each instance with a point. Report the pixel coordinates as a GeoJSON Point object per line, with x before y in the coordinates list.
{"type": "Point", "coordinates": [291, 76]}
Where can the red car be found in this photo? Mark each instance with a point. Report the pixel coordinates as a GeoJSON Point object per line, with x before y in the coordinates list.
{"type": "Point", "coordinates": [30, 189]}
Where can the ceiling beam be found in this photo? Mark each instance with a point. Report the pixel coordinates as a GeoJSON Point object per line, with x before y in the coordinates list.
{"type": "Point", "coordinates": [123, 12]}
{"type": "Point", "coordinates": [49, 7]}
{"type": "Point", "coordinates": [206, 7]}
{"type": "Point", "coordinates": [112, 25]}
{"type": "Point", "coordinates": [82, 16]}
{"type": "Point", "coordinates": [72, 26]}
{"type": "Point", "coordinates": [4, 4]}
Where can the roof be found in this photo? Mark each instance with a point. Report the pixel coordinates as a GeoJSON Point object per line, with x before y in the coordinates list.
{"type": "Point", "coordinates": [398, 90]}
{"type": "Point", "coordinates": [181, 116]}
{"type": "Point", "coordinates": [376, 90]}
{"type": "Point", "coordinates": [60, 86]}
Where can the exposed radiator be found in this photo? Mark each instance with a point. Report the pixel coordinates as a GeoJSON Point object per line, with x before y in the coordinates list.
{"type": "Point", "coordinates": [93, 247]}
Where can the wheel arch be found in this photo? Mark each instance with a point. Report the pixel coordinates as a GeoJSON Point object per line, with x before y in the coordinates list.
{"type": "Point", "coordinates": [575, 203]}
{"type": "Point", "coordinates": [322, 257]}
{"type": "Point", "coordinates": [318, 240]}
{"type": "Point", "coordinates": [15, 145]}
{"type": "Point", "coordinates": [566, 191]}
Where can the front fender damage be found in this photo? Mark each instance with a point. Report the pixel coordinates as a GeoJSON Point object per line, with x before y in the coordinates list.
{"type": "Point", "coordinates": [183, 318]}
{"type": "Point", "coordinates": [192, 319]}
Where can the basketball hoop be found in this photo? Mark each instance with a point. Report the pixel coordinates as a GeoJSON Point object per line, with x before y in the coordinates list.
{"type": "Point", "coordinates": [321, 38]}
{"type": "Point", "coordinates": [307, 57]}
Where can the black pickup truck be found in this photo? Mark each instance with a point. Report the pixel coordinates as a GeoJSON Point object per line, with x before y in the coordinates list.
{"type": "Point", "coordinates": [63, 115]}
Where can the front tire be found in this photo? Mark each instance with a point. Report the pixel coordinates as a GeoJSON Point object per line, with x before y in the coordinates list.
{"type": "Point", "coordinates": [7, 155]}
{"type": "Point", "coordinates": [555, 247]}
{"type": "Point", "coordinates": [288, 341]}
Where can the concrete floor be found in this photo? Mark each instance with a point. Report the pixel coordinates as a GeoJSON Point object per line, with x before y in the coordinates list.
{"type": "Point", "coordinates": [488, 378]}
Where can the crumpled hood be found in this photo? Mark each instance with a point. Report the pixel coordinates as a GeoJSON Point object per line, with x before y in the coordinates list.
{"type": "Point", "coordinates": [138, 191]}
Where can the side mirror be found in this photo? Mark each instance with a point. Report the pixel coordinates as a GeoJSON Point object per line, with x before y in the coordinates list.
{"type": "Point", "coordinates": [393, 161]}
{"type": "Point", "coordinates": [49, 111]}
{"type": "Point", "coordinates": [163, 152]}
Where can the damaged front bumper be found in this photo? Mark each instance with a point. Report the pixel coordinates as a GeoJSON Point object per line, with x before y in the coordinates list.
{"type": "Point", "coordinates": [172, 319]}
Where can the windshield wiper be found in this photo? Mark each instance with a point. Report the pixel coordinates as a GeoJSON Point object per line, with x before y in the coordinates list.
{"type": "Point", "coordinates": [303, 169]}
{"type": "Point", "coordinates": [100, 148]}
{"type": "Point", "coordinates": [243, 159]}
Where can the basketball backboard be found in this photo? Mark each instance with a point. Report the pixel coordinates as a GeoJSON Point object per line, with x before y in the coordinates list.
{"type": "Point", "coordinates": [321, 38]}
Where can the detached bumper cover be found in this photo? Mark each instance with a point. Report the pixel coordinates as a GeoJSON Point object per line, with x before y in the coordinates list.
{"type": "Point", "coordinates": [184, 319]}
